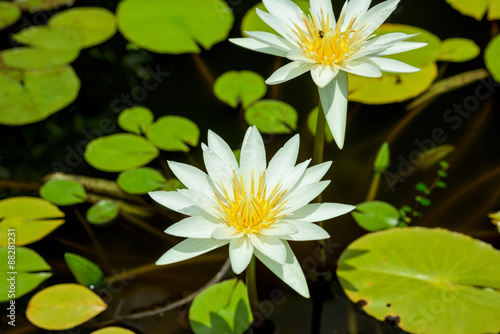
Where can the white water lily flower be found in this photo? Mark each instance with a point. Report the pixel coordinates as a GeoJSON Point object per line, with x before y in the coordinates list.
{"type": "Point", "coordinates": [330, 48]}
{"type": "Point", "coordinates": [253, 208]}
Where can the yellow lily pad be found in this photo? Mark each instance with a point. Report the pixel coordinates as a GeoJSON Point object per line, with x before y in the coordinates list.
{"type": "Point", "coordinates": [9, 14]}
{"type": "Point", "coordinates": [458, 50]}
{"type": "Point", "coordinates": [477, 8]}
{"type": "Point", "coordinates": [112, 330]}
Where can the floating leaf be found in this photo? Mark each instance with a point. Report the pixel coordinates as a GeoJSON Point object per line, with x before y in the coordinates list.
{"type": "Point", "coordinates": [383, 159]}
{"type": "Point", "coordinates": [32, 218]}
{"type": "Point", "coordinates": [376, 215]}
{"type": "Point", "coordinates": [85, 271]}
{"type": "Point", "coordinates": [136, 119]}
{"type": "Point", "coordinates": [9, 14]}
{"type": "Point", "coordinates": [458, 50]}
{"type": "Point", "coordinates": [47, 47]}
{"type": "Point", "coordinates": [112, 330]}
{"type": "Point", "coordinates": [141, 180]}
{"type": "Point", "coordinates": [170, 133]}
{"type": "Point", "coordinates": [31, 270]}
{"type": "Point", "coordinates": [221, 308]}
{"type": "Point", "coordinates": [252, 22]}
{"type": "Point", "coordinates": [95, 25]}
{"type": "Point", "coordinates": [39, 94]}
{"type": "Point", "coordinates": [119, 152]}
{"type": "Point", "coordinates": [63, 192]}
{"type": "Point", "coordinates": [172, 26]}
{"type": "Point", "coordinates": [435, 281]}
{"type": "Point", "coordinates": [390, 88]}
{"type": "Point", "coordinates": [272, 116]}
{"type": "Point", "coordinates": [63, 306]}
{"type": "Point", "coordinates": [477, 8]}
{"type": "Point", "coordinates": [312, 121]}
{"type": "Point", "coordinates": [492, 58]}
{"type": "Point", "coordinates": [234, 87]}
{"type": "Point", "coordinates": [103, 212]}
{"type": "Point", "coordinates": [42, 5]}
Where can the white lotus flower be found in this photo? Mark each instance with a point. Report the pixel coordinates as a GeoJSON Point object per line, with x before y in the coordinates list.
{"type": "Point", "coordinates": [254, 209]}
{"type": "Point", "coordinates": [330, 49]}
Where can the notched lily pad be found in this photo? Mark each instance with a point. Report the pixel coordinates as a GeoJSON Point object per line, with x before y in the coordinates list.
{"type": "Point", "coordinates": [136, 119]}
{"type": "Point", "coordinates": [63, 192]}
{"type": "Point", "coordinates": [42, 5]}
{"type": "Point", "coordinates": [86, 272]}
{"type": "Point", "coordinates": [376, 215]}
{"type": "Point", "coordinates": [458, 50]}
{"type": "Point", "coordinates": [141, 180]}
{"type": "Point", "coordinates": [492, 58]}
{"type": "Point", "coordinates": [172, 26]}
{"type": "Point", "coordinates": [477, 8]}
{"type": "Point", "coordinates": [9, 13]}
{"type": "Point", "coordinates": [103, 212]}
{"type": "Point", "coordinates": [272, 116]}
{"type": "Point", "coordinates": [172, 133]}
{"type": "Point", "coordinates": [234, 87]}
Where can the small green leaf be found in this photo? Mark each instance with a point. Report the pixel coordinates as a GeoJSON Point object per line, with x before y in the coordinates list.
{"type": "Point", "coordinates": [492, 58]}
{"type": "Point", "coordinates": [119, 152]}
{"type": "Point", "coordinates": [441, 184]}
{"type": "Point", "coordinates": [444, 164]}
{"type": "Point", "coordinates": [9, 14]}
{"type": "Point", "coordinates": [312, 121]}
{"type": "Point", "coordinates": [234, 87]}
{"type": "Point", "coordinates": [172, 26]}
{"type": "Point", "coordinates": [30, 267]}
{"type": "Point", "coordinates": [63, 192]}
{"type": "Point", "coordinates": [95, 25]}
{"type": "Point", "coordinates": [442, 174]}
{"type": "Point", "coordinates": [222, 308]}
{"type": "Point", "coordinates": [458, 50]}
{"type": "Point", "coordinates": [376, 215]}
{"type": "Point", "coordinates": [383, 159]}
{"type": "Point", "coordinates": [103, 212]}
{"type": "Point", "coordinates": [63, 306]}
{"type": "Point", "coordinates": [86, 272]}
{"type": "Point", "coordinates": [272, 116]}
{"type": "Point", "coordinates": [425, 202]}
{"type": "Point", "coordinates": [421, 187]}
{"type": "Point", "coordinates": [172, 133]}
{"type": "Point", "coordinates": [141, 180]}
{"type": "Point", "coordinates": [112, 330]}
{"type": "Point", "coordinates": [136, 119]}
{"type": "Point", "coordinates": [32, 218]}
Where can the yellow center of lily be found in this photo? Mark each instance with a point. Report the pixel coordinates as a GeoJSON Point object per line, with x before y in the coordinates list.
{"type": "Point", "coordinates": [251, 209]}
{"type": "Point", "coordinates": [325, 45]}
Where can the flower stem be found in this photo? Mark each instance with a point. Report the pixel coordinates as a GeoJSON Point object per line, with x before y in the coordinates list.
{"type": "Point", "coordinates": [251, 282]}
{"type": "Point", "coordinates": [373, 187]}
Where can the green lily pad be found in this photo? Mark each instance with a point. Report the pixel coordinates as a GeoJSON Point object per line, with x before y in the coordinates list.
{"type": "Point", "coordinates": [170, 133]}
{"type": "Point", "coordinates": [391, 87]}
{"type": "Point", "coordinates": [119, 152]}
{"type": "Point", "coordinates": [85, 271]}
{"type": "Point", "coordinates": [95, 25]}
{"type": "Point", "coordinates": [9, 14]}
{"type": "Point", "coordinates": [376, 215]}
{"type": "Point", "coordinates": [63, 306]}
{"type": "Point", "coordinates": [175, 27]}
{"type": "Point", "coordinates": [41, 5]}
{"type": "Point", "coordinates": [435, 281]}
{"type": "Point", "coordinates": [113, 330]}
{"type": "Point", "coordinates": [30, 267]}
{"type": "Point", "coordinates": [136, 119]}
{"type": "Point", "coordinates": [47, 47]}
{"type": "Point", "coordinates": [63, 192]}
{"type": "Point", "coordinates": [252, 22]}
{"type": "Point", "coordinates": [477, 8]}
{"type": "Point", "coordinates": [272, 116]}
{"type": "Point", "coordinates": [141, 180]}
{"type": "Point", "coordinates": [419, 57]}
{"type": "Point", "coordinates": [234, 87]}
{"type": "Point", "coordinates": [458, 50]}
{"type": "Point", "coordinates": [492, 58]}
{"type": "Point", "coordinates": [38, 95]}
{"type": "Point", "coordinates": [32, 219]}
{"type": "Point", "coordinates": [222, 308]}
{"type": "Point", "coordinates": [103, 212]}
{"type": "Point", "coordinates": [312, 121]}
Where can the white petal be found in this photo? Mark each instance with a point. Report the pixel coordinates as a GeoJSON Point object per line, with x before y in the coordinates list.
{"type": "Point", "coordinates": [372, 19]}
{"type": "Point", "coordinates": [392, 65]}
{"type": "Point", "coordinates": [252, 156]}
{"type": "Point", "coordinates": [252, 44]}
{"type": "Point", "coordinates": [222, 149]}
{"type": "Point", "coordinates": [193, 227]}
{"type": "Point", "coordinates": [321, 9]}
{"type": "Point", "coordinates": [190, 248]}
{"type": "Point", "coordinates": [334, 100]}
{"type": "Point", "coordinates": [291, 178]}
{"type": "Point", "coordinates": [359, 67]}
{"type": "Point", "coordinates": [303, 195]}
{"type": "Point", "coordinates": [283, 160]}
{"type": "Point", "coordinates": [291, 273]}
{"type": "Point", "coordinates": [286, 10]}
{"type": "Point", "coordinates": [278, 25]}
{"type": "Point", "coordinates": [226, 232]}
{"type": "Point", "coordinates": [172, 199]}
{"type": "Point", "coordinates": [271, 247]}
{"type": "Point", "coordinates": [307, 231]}
{"type": "Point", "coordinates": [353, 9]}
{"type": "Point", "coordinates": [279, 229]}
{"type": "Point", "coordinates": [221, 172]}
{"type": "Point", "coordinates": [202, 201]}
{"type": "Point", "coordinates": [323, 74]}
{"type": "Point", "coordinates": [297, 54]}
{"type": "Point", "coordinates": [240, 252]}
{"type": "Point", "coordinates": [270, 39]}
{"type": "Point", "coordinates": [319, 212]}
{"type": "Point", "coordinates": [191, 177]}
{"type": "Point", "coordinates": [402, 47]}
{"type": "Point", "coordinates": [314, 173]}
{"type": "Point", "coordinates": [288, 72]}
